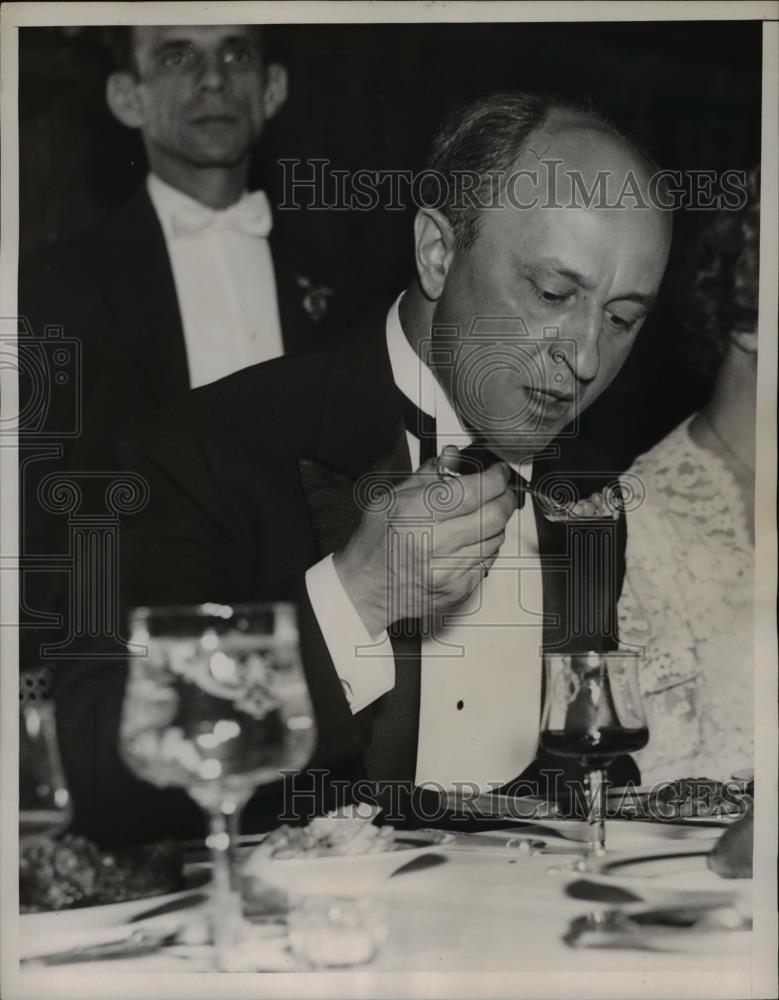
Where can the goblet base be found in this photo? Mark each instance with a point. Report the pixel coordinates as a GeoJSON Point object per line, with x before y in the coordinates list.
{"type": "Point", "coordinates": [586, 865]}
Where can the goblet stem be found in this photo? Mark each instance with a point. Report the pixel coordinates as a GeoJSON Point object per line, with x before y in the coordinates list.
{"type": "Point", "coordinates": [596, 817]}
{"type": "Point", "coordinates": [227, 909]}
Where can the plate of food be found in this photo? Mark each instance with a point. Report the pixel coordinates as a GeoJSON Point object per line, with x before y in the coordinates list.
{"type": "Point", "coordinates": [340, 853]}
{"type": "Point", "coordinates": [69, 883]}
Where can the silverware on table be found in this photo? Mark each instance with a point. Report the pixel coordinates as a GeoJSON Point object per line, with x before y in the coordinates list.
{"type": "Point", "coordinates": [509, 841]}
{"type": "Point", "coordinates": [420, 863]}
{"type": "Point", "coordinates": [139, 942]}
{"type": "Point", "coordinates": [643, 926]}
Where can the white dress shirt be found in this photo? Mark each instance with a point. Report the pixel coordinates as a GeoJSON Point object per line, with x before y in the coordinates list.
{"type": "Point", "coordinates": [225, 285]}
{"type": "Point", "coordinates": [481, 667]}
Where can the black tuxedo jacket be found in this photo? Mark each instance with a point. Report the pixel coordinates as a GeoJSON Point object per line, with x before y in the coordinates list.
{"type": "Point", "coordinates": [112, 290]}
{"type": "Point", "coordinates": [251, 482]}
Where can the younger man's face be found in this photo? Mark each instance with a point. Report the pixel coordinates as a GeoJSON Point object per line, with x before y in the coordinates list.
{"type": "Point", "coordinates": [201, 92]}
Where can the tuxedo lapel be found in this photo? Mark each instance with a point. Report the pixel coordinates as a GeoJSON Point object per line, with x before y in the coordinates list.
{"type": "Point", "coordinates": [305, 305]}
{"type": "Point", "coordinates": [361, 439]}
{"type": "Point", "coordinates": [335, 498]}
{"type": "Point", "coordinates": [361, 407]}
{"type": "Point", "coordinates": [139, 284]}
{"type": "Point", "coordinates": [363, 445]}
{"type": "Point", "coordinates": [329, 495]}
{"type": "Point", "coordinates": [295, 326]}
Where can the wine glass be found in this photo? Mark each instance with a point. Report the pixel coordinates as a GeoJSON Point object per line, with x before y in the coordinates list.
{"type": "Point", "coordinates": [44, 801]}
{"type": "Point", "coordinates": [218, 705]}
{"type": "Point", "coordinates": [593, 712]}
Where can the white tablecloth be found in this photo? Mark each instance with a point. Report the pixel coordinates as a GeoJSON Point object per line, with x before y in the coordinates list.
{"type": "Point", "coordinates": [482, 913]}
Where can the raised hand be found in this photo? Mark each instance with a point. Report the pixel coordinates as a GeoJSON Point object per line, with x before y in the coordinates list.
{"type": "Point", "coordinates": [426, 545]}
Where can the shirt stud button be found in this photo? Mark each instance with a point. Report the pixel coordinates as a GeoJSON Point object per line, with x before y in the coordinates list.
{"type": "Point", "coordinates": [460, 706]}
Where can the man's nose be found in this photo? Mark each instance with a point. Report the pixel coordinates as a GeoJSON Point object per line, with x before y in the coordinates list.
{"type": "Point", "coordinates": [577, 351]}
{"type": "Point", "coordinates": [213, 73]}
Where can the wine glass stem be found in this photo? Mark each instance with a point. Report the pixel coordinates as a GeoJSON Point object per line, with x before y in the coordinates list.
{"type": "Point", "coordinates": [596, 819]}
{"type": "Point", "coordinates": [227, 912]}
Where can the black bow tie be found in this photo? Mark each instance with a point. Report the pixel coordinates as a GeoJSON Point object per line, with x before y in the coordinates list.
{"type": "Point", "coordinates": [473, 458]}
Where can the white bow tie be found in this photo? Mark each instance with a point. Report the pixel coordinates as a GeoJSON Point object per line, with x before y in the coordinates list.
{"type": "Point", "coordinates": [251, 216]}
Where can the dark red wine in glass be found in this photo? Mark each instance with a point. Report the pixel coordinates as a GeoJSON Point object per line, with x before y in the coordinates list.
{"type": "Point", "coordinates": [593, 712]}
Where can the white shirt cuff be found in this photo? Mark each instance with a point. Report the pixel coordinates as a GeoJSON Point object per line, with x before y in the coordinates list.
{"type": "Point", "coordinates": [365, 666]}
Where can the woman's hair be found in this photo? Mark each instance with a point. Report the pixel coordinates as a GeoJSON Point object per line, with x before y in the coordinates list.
{"type": "Point", "coordinates": [722, 280]}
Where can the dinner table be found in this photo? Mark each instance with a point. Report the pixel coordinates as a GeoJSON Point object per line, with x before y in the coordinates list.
{"type": "Point", "coordinates": [494, 906]}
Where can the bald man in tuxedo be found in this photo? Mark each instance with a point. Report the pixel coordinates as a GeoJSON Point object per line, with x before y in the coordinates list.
{"type": "Point", "coordinates": [423, 615]}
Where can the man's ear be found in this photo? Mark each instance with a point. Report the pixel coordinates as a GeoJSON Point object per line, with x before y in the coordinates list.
{"type": "Point", "coordinates": [121, 94]}
{"type": "Point", "coordinates": [434, 247]}
{"type": "Point", "coordinates": [275, 90]}
{"type": "Point", "coordinates": [745, 340]}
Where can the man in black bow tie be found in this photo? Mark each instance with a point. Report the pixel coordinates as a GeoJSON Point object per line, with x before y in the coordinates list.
{"type": "Point", "coordinates": [424, 602]}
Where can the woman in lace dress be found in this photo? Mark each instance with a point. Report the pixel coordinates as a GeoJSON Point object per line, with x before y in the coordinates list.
{"type": "Point", "coordinates": [688, 589]}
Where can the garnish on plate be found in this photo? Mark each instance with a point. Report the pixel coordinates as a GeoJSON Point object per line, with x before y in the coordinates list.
{"type": "Point", "coordinates": [345, 832]}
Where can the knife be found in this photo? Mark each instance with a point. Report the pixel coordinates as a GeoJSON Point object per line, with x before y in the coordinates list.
{"type": "Point", "coordinates": [139, 942]}
{"type": "Point", "coordinates": [519, 844]}
{"type": "Point", "coordinates": [630, 927]}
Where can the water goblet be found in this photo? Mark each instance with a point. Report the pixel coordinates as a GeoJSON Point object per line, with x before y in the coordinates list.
{"type": "Point", "coordinates": [218, 705]}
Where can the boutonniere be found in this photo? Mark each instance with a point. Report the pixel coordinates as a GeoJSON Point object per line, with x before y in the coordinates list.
{"type": "Point", "coordinates": [315, 297]}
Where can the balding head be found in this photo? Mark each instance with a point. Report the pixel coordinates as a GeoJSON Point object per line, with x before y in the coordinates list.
{"type": "Point", "coordinates": [546, 274]}
{"type": "Point", "coordinates": [576, 161]}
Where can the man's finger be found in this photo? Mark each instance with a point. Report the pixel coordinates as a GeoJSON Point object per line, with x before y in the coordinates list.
{"type": "Point", "coordinates": [484, 522]}
{"type": "Point", "coordinates": [449, 497]}
{"type": "Point", "coordinates": [448, 461]}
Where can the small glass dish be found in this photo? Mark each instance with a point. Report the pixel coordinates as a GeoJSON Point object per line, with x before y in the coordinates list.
{"type": "Point", "coordinates": [337, 931]}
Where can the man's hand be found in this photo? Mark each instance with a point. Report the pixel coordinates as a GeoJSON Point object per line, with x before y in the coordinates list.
{"type": "Point", "coordinates": [427, 547]}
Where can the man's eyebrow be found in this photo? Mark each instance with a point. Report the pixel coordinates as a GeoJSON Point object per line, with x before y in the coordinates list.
{"type": "Point", "coordinates": [567, 272]}
{"type": "Point", "coordinates": [639, 297]}
{"type": "Point", "coordinates": [584, 282]}
{"type": "Point", "coordinates": [173, 43]}
{"type": "Point", "coordinates": [177, 43]}
{"type": "Point", "coordinates": [232, 39]}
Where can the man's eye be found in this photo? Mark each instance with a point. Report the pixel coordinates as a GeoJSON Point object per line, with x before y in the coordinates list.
{"type": "Point", "coordinates": [237, 54]}
{"type": "Point", "coordinates": [622, 323]}
{"type": "Point", "coordinates": [176, 58]}
{"type": "Point", "coordinates": [545, 295]}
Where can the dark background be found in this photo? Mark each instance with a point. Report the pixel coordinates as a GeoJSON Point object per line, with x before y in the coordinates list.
{"type": "Point", "coordinates": [371, 96]}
